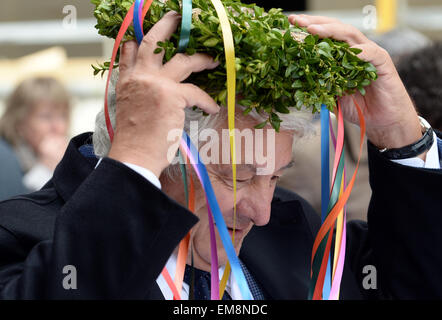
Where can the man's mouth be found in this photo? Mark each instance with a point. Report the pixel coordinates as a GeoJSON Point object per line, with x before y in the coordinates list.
{"type": "Point", "coordinates": [238, 232]}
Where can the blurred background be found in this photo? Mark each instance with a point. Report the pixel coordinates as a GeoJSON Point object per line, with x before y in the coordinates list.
{"type": "Point", "coordinates": [57, 39]}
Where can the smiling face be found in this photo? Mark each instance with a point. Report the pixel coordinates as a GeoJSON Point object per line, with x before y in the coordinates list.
{"type": "Point", "coordinates": [254, 191]}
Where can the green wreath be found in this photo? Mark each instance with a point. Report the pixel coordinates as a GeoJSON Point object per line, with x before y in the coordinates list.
{"type": "Point", "coordinates": [278, 66]}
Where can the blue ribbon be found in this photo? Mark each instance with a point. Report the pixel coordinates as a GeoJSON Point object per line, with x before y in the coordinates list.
{"type": "Point", "coordinates": [199, 165]}
{"type": "Point", "coordinates": [219, 220]}
{"type": "Point", "coordinates": [138, 27]}
{"type": "Point", "coordinates": [325, 185]}
{"type": "Point", "coordinates": [186, 23]}
{"type": "Point", "coordinates": [325, 162]}
{"type": "Point", "coordinates": [237, 271]}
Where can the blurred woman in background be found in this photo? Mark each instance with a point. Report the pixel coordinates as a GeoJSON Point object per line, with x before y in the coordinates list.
{"type": "Point", "coordinates": [35, 125]}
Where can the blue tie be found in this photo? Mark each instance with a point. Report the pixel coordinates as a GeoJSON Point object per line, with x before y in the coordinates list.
{"type": "Point", "coordinates": [201, 284]}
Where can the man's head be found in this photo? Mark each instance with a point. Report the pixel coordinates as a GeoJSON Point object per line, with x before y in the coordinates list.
{"type": "Point", "coordinates": [255, 187]}
{"type": "Point", "coordinates": [262, 156]}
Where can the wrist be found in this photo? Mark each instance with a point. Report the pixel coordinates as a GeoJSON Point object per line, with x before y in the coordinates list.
{"type": "Point", "coordinates": [417, 149]}
{"type": "Point", "coordinates": [397, 135]}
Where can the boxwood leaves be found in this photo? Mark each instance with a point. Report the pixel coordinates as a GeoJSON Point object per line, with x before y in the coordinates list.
{"type": "Point", "coordinates": [279, 66]}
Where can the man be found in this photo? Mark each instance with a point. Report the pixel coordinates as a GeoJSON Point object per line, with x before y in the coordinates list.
{"type": "Point", "coordinates": [118, 222]}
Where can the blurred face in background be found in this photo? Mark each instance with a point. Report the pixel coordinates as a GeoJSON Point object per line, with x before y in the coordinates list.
{"type": "Point", "coordinates": [37, 111]}
{"type": "Point", "coordinates": [46, 119]}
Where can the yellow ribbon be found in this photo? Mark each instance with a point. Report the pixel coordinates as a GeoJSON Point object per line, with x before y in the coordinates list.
{"type": "Point", "coordinates": [339, 228]}
{"type": "Point", "coordinates": [229, 51]}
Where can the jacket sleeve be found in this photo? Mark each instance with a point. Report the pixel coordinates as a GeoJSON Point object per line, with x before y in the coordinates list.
{"type": "Point", "coordinates": [404, 229]}
{"type": "Point", "coordinates": [117, 230]}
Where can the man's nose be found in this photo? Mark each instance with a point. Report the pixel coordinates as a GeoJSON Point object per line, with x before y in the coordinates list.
{"type": "Point", "coordinates": [256, 205]}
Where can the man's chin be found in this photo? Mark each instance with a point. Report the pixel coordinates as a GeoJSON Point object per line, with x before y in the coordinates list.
{"type": "Point", "coordinates": [222, 256]}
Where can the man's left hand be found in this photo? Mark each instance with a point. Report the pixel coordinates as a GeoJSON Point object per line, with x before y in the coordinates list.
{"type": "Point", "coordinates": [391, 119]}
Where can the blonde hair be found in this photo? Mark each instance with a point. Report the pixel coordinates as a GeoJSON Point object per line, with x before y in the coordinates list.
{"type": "Point", "coordinates": [24, 98]}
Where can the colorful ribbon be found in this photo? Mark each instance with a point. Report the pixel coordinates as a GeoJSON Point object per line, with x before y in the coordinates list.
{"type": "Point", "coordinates": [229, 51]}
{"type": "Point", "coordinates": [341, 231]}
{"type": "Point", "coordinates": [332, 210]}
{"type": "Point", "coordinates": [203, 176]}
{"type": "Point", "coordinates": [201, 171]}
{"type": "Point", "coordinates": [186, 22]}
{"type": "Point", "coordinates": [176, 285]}
{"type": "Point", "coordinates": [338, 198]}
{"type": "Point", "coordinates": [321, 275]}
{"type": "Point", "coordinates": [325, 179]}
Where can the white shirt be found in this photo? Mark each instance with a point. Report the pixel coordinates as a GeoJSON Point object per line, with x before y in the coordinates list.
{"type": "Point", "coordinates": [431, 162]}
{"type": "Point", "coordinates": [231, 287]}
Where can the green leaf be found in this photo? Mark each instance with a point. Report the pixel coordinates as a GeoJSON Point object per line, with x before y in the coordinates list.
{"type": "Point", "coordinates": [245, 102]}
{"type": "Point", "coordinates": [351, 84]}
{"type": "Point", "coordinates": [310, 40]}
{"type": "Point", "coordinates": [299, 95]}
{"type": "Point", "coordinates": [211, 42]}
{"type": "Point", "coordinates": [370, 68]}
{"type": "Point", "coordinates": [346, 64]}
{"type": "Point", "coordinates": [365, 82]}
{"type": "Point", "coordinates": [297, 84]}
{"type": "Point", "coordinates": [290, 69]}
{"type": "Point", "coordinates": [355, 50]}
{"type": "Point", "coordinates": [281, 108]}
{"type": "Point", "coordinates": [258, 11]}
{"type": "Point", "coordinates": [325, 49]}
{"type": "Point", "coordinates": [172, 5]}
{"type": "Point", "coordinates": [247, 111]}
{"type": "Point", "coordinates": [275, 121]}
{"type": "Point", "coordinates": [261, 125]}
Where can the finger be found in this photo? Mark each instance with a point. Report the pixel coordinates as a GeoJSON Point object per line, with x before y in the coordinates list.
{"type": "Point", "coordinates": [304, 20]}
{"type": "Point", "coordinates": [373, 53]}
{"type": "Point", "coordinates": [338, 31]}
{"type": "Point", "coordinates": [128, 57]}
{"type": "Point", "coordinates": [194, 96]}
{"type": "Point", "coordinates": [161, 31]}
{"type": "Point", "coordinates": [181, 66]}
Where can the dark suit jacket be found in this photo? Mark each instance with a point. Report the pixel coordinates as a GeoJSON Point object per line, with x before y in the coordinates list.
{"type": "Point", "coordinates": [118, 230]}
{"type": "Point", "coordinates": [11, 175]}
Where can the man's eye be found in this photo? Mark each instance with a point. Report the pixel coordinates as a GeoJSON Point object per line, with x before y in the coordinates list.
{"type": "Point", "coordinates": [229, 182]}
{"type": "Point", "coordinates": [276, 178]}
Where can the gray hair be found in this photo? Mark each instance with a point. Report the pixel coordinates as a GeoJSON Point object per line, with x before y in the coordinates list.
{"type": "Point", "coordinates": [298, 121]}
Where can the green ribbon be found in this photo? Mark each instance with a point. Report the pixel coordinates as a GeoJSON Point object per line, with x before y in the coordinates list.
{"type": "Point", "coordinates": [186, 23]}
{"type": "Point", "coordinates": [317, 260]}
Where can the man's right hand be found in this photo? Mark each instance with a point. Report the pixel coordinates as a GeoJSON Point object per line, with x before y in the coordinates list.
{"type": "Point", "coordinates": [151, 99]}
